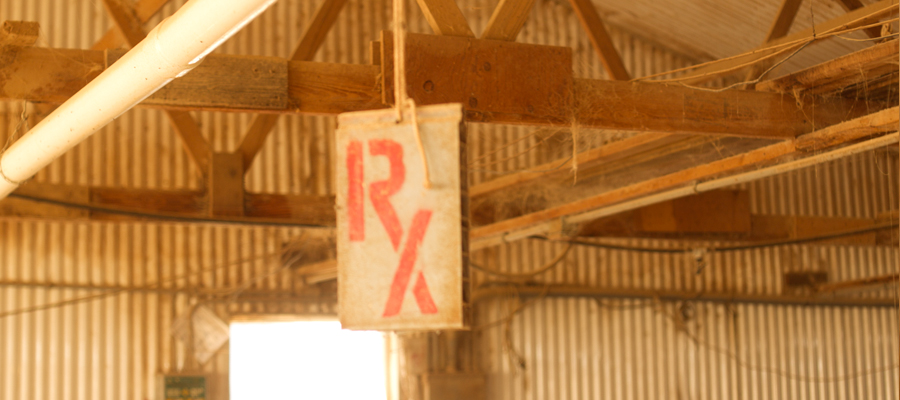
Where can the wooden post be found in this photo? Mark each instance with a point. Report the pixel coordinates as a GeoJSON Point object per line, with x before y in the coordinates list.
{"type": "Point", "coordinates": [226, 185]}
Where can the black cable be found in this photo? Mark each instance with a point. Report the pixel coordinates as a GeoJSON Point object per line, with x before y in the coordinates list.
{"type": "Point", "coordinates": [162, 216]}
{"type": "Point", "coordinates": [751, 246]}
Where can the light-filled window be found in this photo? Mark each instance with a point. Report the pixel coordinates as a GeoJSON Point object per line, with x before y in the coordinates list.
{"type": "Point", "coordinates": [305, 360]}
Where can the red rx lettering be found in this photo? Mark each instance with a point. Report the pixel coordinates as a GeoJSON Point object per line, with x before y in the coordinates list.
{"type": "Point", "coordinates": [381, 191]}
{"type": "Point", "coordinates": [405, 269]}
{"type": "Point", "coordinates": [355, 206]}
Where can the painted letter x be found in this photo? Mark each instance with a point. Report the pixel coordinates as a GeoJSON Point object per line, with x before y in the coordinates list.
{"type": "Point", "coordinates": [380, 193]}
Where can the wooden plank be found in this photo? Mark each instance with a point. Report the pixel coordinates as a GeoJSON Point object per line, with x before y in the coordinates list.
{"type": "Point", "coordinates": [445, 18]}
{"type": "Point", "coordinates": [225, 81]}
{"type": "Point", "coordinates": [596, 30]}
{"type": "Point", "coordinates": [330, 89]}
{"type": "Point", "coordinates": [507, 20]}
{"type": "Point", "coordinates": [838, 73]}
{"type": "Point", "coordinates": [887, 120]}
{"type": "Point", "coordinates": [305, 50]}
{"type": "Point", "coordinates": [850, 5]}
{"type": "Point", "coordinates": [143, 10]}
{"type": "Point", "coordinates": [313, 210]}
{"type": "Point", "coordinates": [226, 185]}
{"type": "Point", "coordinates": [52, 75]}
{"type": "Point", "coordinates": [859, 17]}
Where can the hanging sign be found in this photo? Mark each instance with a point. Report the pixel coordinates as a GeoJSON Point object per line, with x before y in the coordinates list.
{"type": "Point", "coordinates": [402, 246]}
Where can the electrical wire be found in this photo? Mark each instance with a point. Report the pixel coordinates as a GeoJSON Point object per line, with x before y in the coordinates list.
{"type": "Point", "coordinates": [528, 274]}
{"type": "Point", "coordinates": [751, 246]}
{"type": "Point", "coordinates": [113, 292]}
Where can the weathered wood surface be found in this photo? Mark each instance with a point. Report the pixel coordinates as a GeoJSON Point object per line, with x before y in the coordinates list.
{"type": "Point", "coordinates": [51, 75]}
{"type": "Point", "coordinates": [724, 215]}
{"type": "Point", "coordinates": [226, 185]}
{"type": "Point", "coordinates": [840, 73]}
{"type": "Point", "coordinates": [223, 81]}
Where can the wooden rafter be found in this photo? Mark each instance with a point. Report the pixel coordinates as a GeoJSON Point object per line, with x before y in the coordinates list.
{"type": "Point", "coordinates": [840, 73]}
{"type": "Point", "coordinates": [596, 30]}
{"type": "Point", "coordinates": [874, 124]}
{"type": "Point", "coordinates": [507, 20]}
{"type": "Point", "coordinates": [445, 18]}
{"type": "Point", "coordinates": [860, 17]}
{"type": "Point", "coordinates": [129, 24]}
{"type": "Point", "coordinates": [783, 20]}
{"type": "Point", "coordinates": [306, 49]}
{"type": "Point", "coordinates": [850, 5]}
{"type": "Point", "coordinates": [130, 204]}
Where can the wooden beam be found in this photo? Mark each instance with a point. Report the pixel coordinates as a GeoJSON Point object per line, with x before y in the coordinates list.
{"type": "Point", "coordinates": [608, 154]}
{"type": "Point", "coordinates": [305, 50]}
{"type": "Point", "coordinates": [859, 17]}
{"type": "Point", "coordinates": [724, 215]}
{"type": "Point", "coordinates": [839, 73]}
{"type": "Point", "coordinates": [783, 20]}
{"type": "Point", "coordinates": [850, 5]}
{"type": "Point", "coordinates": [507, 20]}
{"type": "Point", "coordinates": [192, 139]}
{"type": "Point", "coordinates": [185, 205]}
{"type": "Point", "coordinates": [129, 24]}
{"type": "Point", "coordinates": [19, 33]}
{"type": "Point", "coordinates": [126, 21]}
{"type": "Point", "coordinates": [226, 185]}
{"type": "Point", "coordinates": [53, 75]}
{"type": "Point", "coordinates": [879, 122]}
{"type": "Point", "coordinates": [596, 30]}
{"type": "Point", "coordinates": [445, 18]}
{"type": "Point", "coordinates": [143, 11]}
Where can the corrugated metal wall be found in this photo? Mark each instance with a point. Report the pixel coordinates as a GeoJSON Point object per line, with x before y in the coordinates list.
{"type": "Point", "coordinates": [573, 348]}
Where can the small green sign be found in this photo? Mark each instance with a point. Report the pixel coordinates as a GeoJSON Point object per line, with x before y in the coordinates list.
{"type": "Point", "coordinates": [184, 388]}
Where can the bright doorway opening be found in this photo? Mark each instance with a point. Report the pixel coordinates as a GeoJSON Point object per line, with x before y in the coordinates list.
{"type": "Point", "coordinates": [305, 360]}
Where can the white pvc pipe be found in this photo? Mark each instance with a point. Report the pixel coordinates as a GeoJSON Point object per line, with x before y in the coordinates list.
{"type": "Point", "coordinates": [169, 51]}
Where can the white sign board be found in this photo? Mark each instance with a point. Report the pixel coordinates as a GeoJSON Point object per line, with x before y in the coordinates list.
{"type": "Point", "coordinates": [401, 246]}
